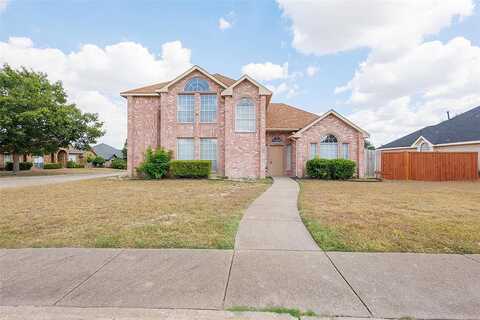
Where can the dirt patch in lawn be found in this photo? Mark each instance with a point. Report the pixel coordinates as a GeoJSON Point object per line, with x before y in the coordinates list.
{"type": "Point", "coordinates": [126, 213]}
{"type": "Point", "coordinates": [55, 172]}
{"type": "Point", "coordinates": [435, 217]}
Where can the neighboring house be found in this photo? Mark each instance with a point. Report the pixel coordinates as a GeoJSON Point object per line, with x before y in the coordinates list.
{"type": "Point", "coordinates": [62, 155]}
{"type": "Point", "coordinates": [199, 115]}
{"type": "Point", "coordinates": [107, 152]}
{"type": "Point", "coordinates": [460, 133]}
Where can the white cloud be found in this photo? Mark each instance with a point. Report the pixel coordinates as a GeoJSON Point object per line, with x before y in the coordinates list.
{"type": "Point", "coordinates": [312, 71]}
{"type": "Point", "coordinates": [329, 26]}
{"type": "Point", "coordinates": [3, 5]}
{"type": "Point", "coordinates": [288, 89]}
{"type": "Point", "coordinates": [428, 80]}
{"type": "Point", "coordinates": [266, 71]}
{"type": "Point", "coordinates": [224, 24]}
{"type": "Point", "coordinates": [94, 76]}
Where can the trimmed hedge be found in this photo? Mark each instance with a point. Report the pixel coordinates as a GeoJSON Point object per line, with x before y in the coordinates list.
{"type": "Point", "coordinates": [56, 165]}
{"type": "Point", "coordinates": [190, 168]}
{"type": "Point", "coordinates": [336, 169]}
{"type": "Point", "coordinates": [24, 166]}
{"type": "Point", "coordinates": [119, 164]}
{"type": "Point", "coordinates": [71, 164]}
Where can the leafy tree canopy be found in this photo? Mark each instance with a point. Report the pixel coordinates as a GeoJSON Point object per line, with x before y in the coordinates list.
{"type": "Point", "coordinates": [36, 118]}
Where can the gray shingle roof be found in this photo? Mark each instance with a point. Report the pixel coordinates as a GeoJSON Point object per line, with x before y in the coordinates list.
{"type": "Point", "coordinates": [462, 128]}
{"type": "Point", "coordinates": [107, 152]}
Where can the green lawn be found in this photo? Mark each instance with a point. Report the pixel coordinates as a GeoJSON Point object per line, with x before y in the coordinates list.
{"type": "Point", "coordinates": [126, 213]}
{"type": "Point", "coordinates": [435, 217]}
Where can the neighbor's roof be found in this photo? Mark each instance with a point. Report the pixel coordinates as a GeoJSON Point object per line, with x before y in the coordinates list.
{"type": "Point", "coordinates": [152, 89]}
{"type": "Point", "coordinates": [463, 128]}
{"type": "Point", "coordinates": [284, 116]}
{"type": "Point", "coordinates": [107, 152]}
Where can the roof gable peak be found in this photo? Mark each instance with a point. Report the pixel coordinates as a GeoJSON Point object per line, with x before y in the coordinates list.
{"type": "Point", "coordinates": [262, 90]}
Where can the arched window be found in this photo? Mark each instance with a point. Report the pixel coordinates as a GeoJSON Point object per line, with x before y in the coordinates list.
{"type": "Point", "coordinates": [329, 147]}
{"type": "Point", "coordinates": [245, 116]}
{"type": "Point", "coordinates": [197, 84]}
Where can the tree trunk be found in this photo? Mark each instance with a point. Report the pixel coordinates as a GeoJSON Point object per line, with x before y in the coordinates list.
{"type": "Point", "coordinates": [16, 162]}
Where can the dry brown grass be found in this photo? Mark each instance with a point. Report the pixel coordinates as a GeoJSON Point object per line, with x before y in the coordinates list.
{"type": "Point", "coordinates": [55, 172]}
{"type": "Point", "coordinates": [393, 216]}
{"type": "Point", "coordinates": [116, 212]}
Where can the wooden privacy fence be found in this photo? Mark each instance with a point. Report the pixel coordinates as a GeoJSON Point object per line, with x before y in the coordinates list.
{"type": "Point", "coordinates": [430, 166]}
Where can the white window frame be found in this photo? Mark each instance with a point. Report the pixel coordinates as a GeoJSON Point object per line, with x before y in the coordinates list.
{"type": "Point", "coordinates": [209, 151]}
{"type": "Point", "coordinates": [313, 150]}
{"type": "Point", "coordinates": [245, 116]}
{"type": "Point", "coordinates": [7, 157]}
{"type": "Point", "coordinates": [329, 149]}
{"type": "Point", "coordinates": [183, 154]}
{"type": "Point", "coordinates": [186, 111]}
{"type": "Point", "coordinates": [346, 150]}
{"type": "Point", "coordinates": [208, 108]}
{"type": "Point", "coordinates": [72, 157]}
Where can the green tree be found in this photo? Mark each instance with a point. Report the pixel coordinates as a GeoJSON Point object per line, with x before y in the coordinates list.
{"type": "Point", "coordinates": [369, 145]}
{"type": "Point", "coordinates": [36, 118]}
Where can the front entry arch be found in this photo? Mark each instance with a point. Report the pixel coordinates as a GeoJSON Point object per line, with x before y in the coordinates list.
{"type": "Point", "coordinates": [275, 161]}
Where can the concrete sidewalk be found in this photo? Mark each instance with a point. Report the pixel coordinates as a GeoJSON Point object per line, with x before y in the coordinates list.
{"type": "Point", "coordinates": [15, 182]}
{"type": "Point", "coordinates": [338, 284]}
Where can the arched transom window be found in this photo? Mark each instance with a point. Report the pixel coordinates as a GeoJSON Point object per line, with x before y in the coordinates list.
{"type": "Point", "coordinates": [245, 116]}
{"type": "Point", "coordinates": [329, 147]}
{"type": "Point", "coordinates": [197, 84]}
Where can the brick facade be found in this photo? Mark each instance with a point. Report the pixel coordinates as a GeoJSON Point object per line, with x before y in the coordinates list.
{"type": "Point", "coordinates": [152, 122]}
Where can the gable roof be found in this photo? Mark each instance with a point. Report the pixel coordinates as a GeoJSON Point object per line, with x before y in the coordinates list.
{"type": "Point", "coordinates": [283, 116]}
{"type": "Point", "coordinates": [336, 114]}
{"type": "Point", "coordinates": [107, 152]}
{"type": "Point", "coordinates": [153, 89]}
{"type": "Point", "coordinates": [463, 128]}
{"type": "Point", "coordinates": [194, 68]}
{"type": "Point", "coordinates": [262, 90]}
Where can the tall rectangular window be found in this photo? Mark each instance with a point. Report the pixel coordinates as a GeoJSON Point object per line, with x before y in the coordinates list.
{"type": "Point", "coordinates": [185, 108]}
{"type": "Point", "coordinates": [328, 150]}
{"type": "Point", "coordinates": [289, 157]}
{"type": "Point", "coordinates": [346, 151]}
{"type": "Point", "coordinates": [208, 108]}
{"type": "Point", "coordinates": [7, 158]}
{"type": "Point", "coordinates": [208, 151]}
{"type": "Point", "coordinates": [313, 150]}
{"type": "Point", "coordinates": [185, 149]}
{"type": "Point", "coordinates": [245, 116]}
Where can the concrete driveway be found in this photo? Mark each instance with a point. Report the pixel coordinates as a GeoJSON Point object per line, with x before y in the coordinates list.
{"type": "Point", "coordinates": [15, 182]}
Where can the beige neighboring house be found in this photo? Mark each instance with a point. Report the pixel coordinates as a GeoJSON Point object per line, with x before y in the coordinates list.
{"type": "Point", "coordinates": [63, 155]}
{"type": "Point", "coordinates": [233, 123]}
{"type": "Point", "coordinates": [458, 134]}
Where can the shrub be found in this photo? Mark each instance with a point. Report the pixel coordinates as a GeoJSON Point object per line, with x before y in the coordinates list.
{"type": "Point", "coordinates": [98, 161]}
{"type": "Point", "coordinates": [119, 164]}
{"type": "Point", "coordinates": [71, 164]}
{"type": "Point", "coordinates": [342, 169]}
{"type": "Point", "coordinates": [318, 168]}
{"type": "Point", "coordinates": [156, 163]}
{"type": "Point", "coordinates": [79, 165]}
{"type": "Point", "coordinates": [57, 165]}
{"type": "Point", "coordinates": [23, 166]}
{"type": "Point", "coordinates": [190, 168]}
{"type": "Point", "coordinates": [336, 169]}
{"type": "Point", "coordinates": [90, 158]}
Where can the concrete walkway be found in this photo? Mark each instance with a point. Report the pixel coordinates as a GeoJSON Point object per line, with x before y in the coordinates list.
{"type": "Point", "coordinates": [15, 182]}
{"type": "Point", "coordinates": [292, 273]}
{"type": "Point", "coordinates": [272, 221]}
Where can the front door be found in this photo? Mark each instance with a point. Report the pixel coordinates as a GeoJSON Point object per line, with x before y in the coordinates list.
{"type": "Point", "coordinates": [275, 160]}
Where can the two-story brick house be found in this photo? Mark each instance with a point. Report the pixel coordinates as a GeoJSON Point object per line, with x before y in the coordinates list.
{"type": "Point", "coordinates": [199, 115]}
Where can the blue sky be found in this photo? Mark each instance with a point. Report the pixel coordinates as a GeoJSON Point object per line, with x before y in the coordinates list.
{"type": "Point", "coordinates": [261, 32]}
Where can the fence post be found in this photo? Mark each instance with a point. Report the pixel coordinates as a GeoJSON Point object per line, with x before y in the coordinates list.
{"type": "Point", "coordinates": [407, 165]}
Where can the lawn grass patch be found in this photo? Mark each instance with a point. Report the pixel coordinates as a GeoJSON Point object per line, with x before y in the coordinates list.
{"type": "Point", "coordinates": [122, 213]}
{"type": "Point", "coordinates": [280, 310]}
{"type": "Point", "coordinates": [400, 216]}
